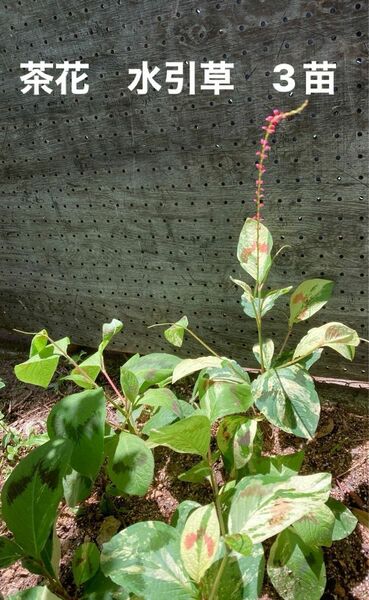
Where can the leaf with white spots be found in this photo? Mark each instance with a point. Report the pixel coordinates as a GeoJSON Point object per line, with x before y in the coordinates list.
{"type": "Point", "coordinates": [199, 541]}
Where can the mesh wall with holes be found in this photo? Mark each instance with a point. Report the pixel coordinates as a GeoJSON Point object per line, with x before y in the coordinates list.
{"type": "Point", "coordinates": [127, 205]}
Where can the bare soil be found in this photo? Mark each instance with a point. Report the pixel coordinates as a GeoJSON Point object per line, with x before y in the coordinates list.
{"type": "Point", "coordinates": [340, 447]}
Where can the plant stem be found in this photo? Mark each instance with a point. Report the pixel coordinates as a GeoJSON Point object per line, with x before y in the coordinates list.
{"type": "Point", "coordinates": [218, 577]}
{"type": "Point", "coordinates": [222, 527]}
{"type": "Point", "coordinates": [194, 335]}
{"type": "Point", "coordinates": [285, 341]}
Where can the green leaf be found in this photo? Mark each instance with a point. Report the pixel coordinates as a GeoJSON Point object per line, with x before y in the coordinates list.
{"type": "Point", "coordinates": [310, 360]}
{"type": "Point", "coordinates": [199, 541]}
{"type": "Point", "coordinates": [286, 464]}
{"type": "Point", "coordinates": [175, 333]}
{"type": "Point", "coordinates": [39, 369]}
{"type": "Point", "coordinates": [152, 368]}
{"type": "Point", "coordinates": [38, 343]}
{"type": "Point", "coordinates": [85, 563]}
{"type": "Point", "coordinates": [243, 443]}
{"type": "Point", "coordinates": [197, 473]}
{"type": "Point", "coordinates": [165, 398]}
{"type": "Point", "coordinates": [225, 435]}
{"type": "Point", "coordinates": [100, 587]}
{"type": "Point", "coordinates": [296, 570]}
{"type": "Point", "coordinates": [32, 492]}
{"type": "Point", "coordinates": [91, 366]}
{"type": "Point", "coordinates": [80, 418]}
{"type": "Point", "coordinates": [129, 384]}
{"type": "Point", "coordinates": [256, 262]}
{"type": "Point", "coordinates": [264, 304]}
{"type": "Point", "coordinates": [316, 527]}
{"type": "Point", "coordinates": [191, 365]}
{"type": "Point", "coordinates": [287, 398]}
{"type": "Point", "coordinates": [182, 512]}
{"type": "Point", "coordinates": [345, 522]}
{"type": "Point", "coordinates": [76, 488]}
{"type": "Point", "coordinates": [145, 559]}
{"type": "Point", "coordinates": [248, 293]}
{"type": "Point", "coordinates": [264, 505]}
{"type": "Point", "coordinates": [10, 552]}
{"type": "Point", "coordinates": [308, 298]}
{"type": "Point", "coordinates": [35, 593]}
{"type": "Point", "coordinates": [190, 435]}
{"type": "Point", "coordinates": [331, 335]}
{"type": "Point", "coordinates": [109, 330]}
{"type": "Point", "coordinates": [240, 542]}
{"type": "Point", "coordinates": [130, 464]}
{"type": "Point", "coordinates": [223, 398]}
{"type": "Point", "coordinates": [241, 578]}
{"type": "Point", "coordinates": [268, 351]}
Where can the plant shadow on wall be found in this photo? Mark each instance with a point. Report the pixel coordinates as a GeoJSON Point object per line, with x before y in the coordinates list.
{"type": "Point", "coordinates": [210, 551]}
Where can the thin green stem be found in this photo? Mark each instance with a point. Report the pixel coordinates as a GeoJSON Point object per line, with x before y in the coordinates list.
{"type": "Point", "coordinates": [194, 335]}
{"type": "Point", "coordinates": [289, 331]}
{"type": "Point", "coordinates": [218, 576]}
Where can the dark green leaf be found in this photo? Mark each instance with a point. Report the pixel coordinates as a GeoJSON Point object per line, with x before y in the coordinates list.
{"type": "Point", "coordinates": [85, 563]}
{"type": "Point", "coordinates": [241, 578]}
{"type": "Point", "coordinates": [10, 552]}
{"type": "Point", "coordinates": [130, 464]}
{"type": "Point", "coordinates": [32, 492]}
{"type": "Point", "coordinates": [80, 418]}
{"type": "Point", "coordinates": [76, 487]}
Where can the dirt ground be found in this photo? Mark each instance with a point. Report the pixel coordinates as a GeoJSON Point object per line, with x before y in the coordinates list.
{"type": "Point", "coordinates": [340, 446]}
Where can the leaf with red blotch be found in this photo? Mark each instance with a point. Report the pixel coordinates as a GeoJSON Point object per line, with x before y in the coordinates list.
{"type": "Point", "coordinates": [199, 541]}
{"type": "Point", "coordinates": [309, 297]}
{"type": "Point", "coordinates": [254, 249]}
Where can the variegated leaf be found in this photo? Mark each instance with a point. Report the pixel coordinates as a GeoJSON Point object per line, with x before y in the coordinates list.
{"type": "Point", "coordinates": [296, 569]}
{"type": "Point", "coordinates": [254, 249]}
{"type": "Point", "coordinates": [145, 560]}
{"type": "Point", "coordinates": [287, 398]}
{"type": "Point", "coordinates": [264, 505]}
{"type": "Point", "coordinates": [308, 298]}
{"type": "Point", "coordinates": [199, 541]}
{"type": "Point", "coordinates": [332, 335]}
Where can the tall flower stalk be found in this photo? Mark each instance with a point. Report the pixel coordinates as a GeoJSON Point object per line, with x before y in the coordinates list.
{"type": "Point", "coordinates": [272, 121]}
